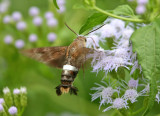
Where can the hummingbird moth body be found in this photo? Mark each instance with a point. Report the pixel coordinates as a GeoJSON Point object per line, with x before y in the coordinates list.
{"type": "Point", "coordinates": [68, 58]}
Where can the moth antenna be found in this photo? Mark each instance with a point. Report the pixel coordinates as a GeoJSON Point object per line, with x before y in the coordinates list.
{"type": "Point", "coordinates": [71, 29]}
{"type": "Point", "coordinates": [94, 30]}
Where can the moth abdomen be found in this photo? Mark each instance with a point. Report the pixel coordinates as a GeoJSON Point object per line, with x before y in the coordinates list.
{"type": "Point", "coordinates": [61, 89]}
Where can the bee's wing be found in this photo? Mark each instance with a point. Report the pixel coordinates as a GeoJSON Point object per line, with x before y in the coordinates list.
{"type": "Point", "coordinates": [52, 56]}
{"type": "Point", "coordinates": [83, 54]}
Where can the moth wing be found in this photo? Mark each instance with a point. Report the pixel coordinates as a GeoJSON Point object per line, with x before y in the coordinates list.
{"type": "Point", "coordinates": [52, 56]}
{"type": "Point", "coordinates": [82, 55]}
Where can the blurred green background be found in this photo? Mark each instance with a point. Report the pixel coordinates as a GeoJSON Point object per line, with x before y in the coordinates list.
{"type": "Point", "coordinates": [17, 70]}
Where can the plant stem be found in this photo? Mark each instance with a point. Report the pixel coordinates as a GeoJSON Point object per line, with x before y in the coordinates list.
{"type": "Point", "coordinates": [119, 17]}
{"type": "Point", "coordinates": [138, 111]}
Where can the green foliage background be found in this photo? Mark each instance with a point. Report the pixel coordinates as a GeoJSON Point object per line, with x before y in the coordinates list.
{"type": "Point", "coordinates": [17, 70]}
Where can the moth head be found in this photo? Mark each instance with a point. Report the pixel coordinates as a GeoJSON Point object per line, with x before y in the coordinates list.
{"type": "Point", "coordinates": [82, 38]}
{"type": "Point", "coordinates": [65, 89]}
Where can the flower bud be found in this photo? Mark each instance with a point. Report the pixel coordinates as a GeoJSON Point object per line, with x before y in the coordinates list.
{"type": "Point", "coordinates": [12, 110]}
{"type": "Point", "coordinates": [16, 16]}
{"type": "Point", "coordinates": [7, 19]}
{"type": "Point", "coordinates": [37, 21]}
{"type": "Point", "coordinates": [1, 108]}
{"type": "Point", "coordinates": [2, 101]}
{"type": "Point", "coordinates": [19, 44]}
{"type": "Point", "coordinates": [7, 96]}
{"type": "Point", "coordinates": [23, 96]}
{"type": "Point", "coordinates": [51, 37]}
{"type": "Point", "coordinates": [34, 11]}
{"type": "Point", "coordinates": [21, 25]}
{"type": "Point", "coordinates": [33, 38]}
{"type": "Point", "coordinates": [140, 9]}
{"type": "Point", "coordinates": [52, 22]}
{"type": "Point", "coordinates": [48, 15]}
{"type": "Point", "coordinates": [8, 39]}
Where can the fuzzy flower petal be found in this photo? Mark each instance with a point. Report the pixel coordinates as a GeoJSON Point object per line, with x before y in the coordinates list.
{"type": "Point", "coordinates": [12, 110]}
{"type": "Point", "coordinates": [118, 103]}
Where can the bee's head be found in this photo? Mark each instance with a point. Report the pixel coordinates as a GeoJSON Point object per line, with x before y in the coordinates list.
{"type": "Point", "coordinates": [65, 89]}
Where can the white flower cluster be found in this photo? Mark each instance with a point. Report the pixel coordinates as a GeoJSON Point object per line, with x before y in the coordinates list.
{"type": "Point", "coordinates": [51, 22]}
{"type": "Point", "coordinates": [128, 93]}
{"type": "Point", "coordinates": [104, 93]}
{"type": "Point", "coordinates": [12, 106]}
{"type": "Point", "coordinates": [120, 55]}
{"type": "Point", "coordinates": [38, 21]}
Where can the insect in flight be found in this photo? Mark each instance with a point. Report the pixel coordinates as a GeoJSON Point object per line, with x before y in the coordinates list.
{"type": "Point", "coordinates": [68, 58]}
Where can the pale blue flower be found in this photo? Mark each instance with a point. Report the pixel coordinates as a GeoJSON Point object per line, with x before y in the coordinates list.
{"type": "Point", "coordinates": [52, 22]}
{"type": "Point", "coordinates": [1, 108]}
{"type": "Point", "coordinates": [8, 39]}
{"type": "Point", "coordinates": [126, 34]}
{"type": "Point", "coordinates": [51, 37]}
{"type": "Point", "coordinates": [104, 93]}
{"type": "Point", "coordinates": [4, 5]}
{"type": "Point", "coordinates": [16, 91]}
{"type": "Point", "coordinates": [118, 24]}
{"type": "Point", "coordinates": [1, 101]}
{"type": "Point", "coordinates": [23, 90]}
{"type": "Point", "coordinates": [107, 31]}
{"type": "Point", "coordinates": [131, 95]}
{"type": "Point", "coordinates": [37, 21]}
{"type": "Point", "coordinates": [12, 110]}
{"type": "Point", "coordinates": [7, 19]}
{"type": "Point", "coordinates": [118, 103]}
{"type": "Point", "coordinates": [140, 9]}
{"type": "Point", "coordinates": [19, 44]}
{"type": "Point", "coordinates": [61, 4]}
{"type": "Point", "coordinates": [33, 37]}
{"type": "Point", "coordinates": [34, 11]}
{"type": "Point", "coordinates": [16, 16]}
{"type": "Point", "coordinates": [21, 25]}
{"type": "Point", "coordinates": [142, 2]}
{"type": "Point", "coordinates": [6, 90]}
{"type": "Point", "coordinates": [133, 83]}
{"type": "Point", "coordinates": [49, 15]}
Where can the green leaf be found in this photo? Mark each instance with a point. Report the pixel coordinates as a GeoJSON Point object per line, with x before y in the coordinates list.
{"type": "Point", "coordinates": [151, 100]}
{"type": "Point", "coordinates": [92, 21]}
{"type": "Point", "coordinates": [55, 3]}
{"type": "Point", "coordinates": [121, 73]}
{"type": "Point", "coordinates": [78, 6]}
{"type": "Point", "coordinates": [146, 43]}
{"type": "Point", "coordinates": [124, 10]}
